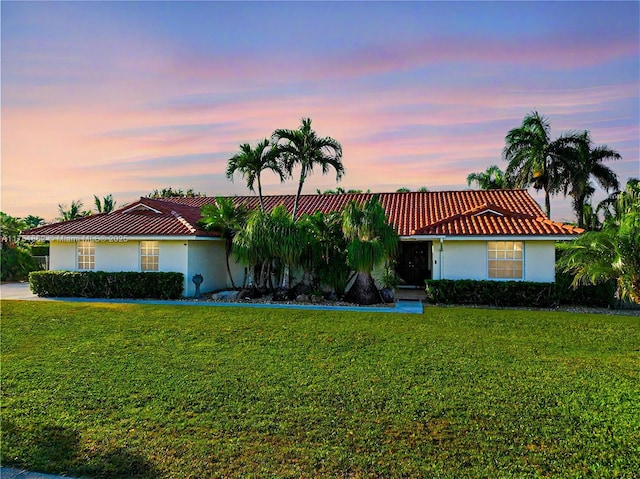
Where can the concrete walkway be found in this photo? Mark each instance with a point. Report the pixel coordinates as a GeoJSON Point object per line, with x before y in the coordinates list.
{"type": "Point", "coordinates": [11, 473]}
{"type": "Point", "coordinates": [21, 291]}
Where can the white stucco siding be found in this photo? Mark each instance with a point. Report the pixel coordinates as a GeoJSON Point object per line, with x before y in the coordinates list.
{"type": "Point", "coordinates": [115, 257]}
{"type": "Point", "coordinates": [462, 260]}
{"type": "Point", "coordinates": [469, 260]}
{"type": "Point", "coordinates": [173, 257]}
{"type": "Point", "coordinates": [206, 258]}
{"type": "Point", "coordinates": [237, 270]}
{"type": "Point", "coordinates": [62, 255]}
{"type": "Point", "coordinates": [540, 261]}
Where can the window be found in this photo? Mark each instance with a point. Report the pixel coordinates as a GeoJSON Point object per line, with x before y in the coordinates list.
{"type": "Point", "coordinates": [505, 259]}
{"type": "Point", "coordinates": [149, 255]}
{"type": "Point", "coordinates": [86, 255]}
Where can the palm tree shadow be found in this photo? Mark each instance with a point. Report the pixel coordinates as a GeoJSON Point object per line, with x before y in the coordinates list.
{"type": "Point", "coordinates": [56, 450]}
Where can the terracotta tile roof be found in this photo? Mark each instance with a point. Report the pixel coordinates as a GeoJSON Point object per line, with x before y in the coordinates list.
{"type": "Point", "coordinates": [451, 213]}
{"type": "Point", "coordinates": [146, 217]}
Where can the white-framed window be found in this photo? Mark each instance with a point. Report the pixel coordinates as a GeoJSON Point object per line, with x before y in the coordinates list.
{"type": "Point", "coordinates": [86, 255]}
{"type": "Point", "coordinates": [149, 255]}
{"type": "Point", "coordinates": [506, 259]}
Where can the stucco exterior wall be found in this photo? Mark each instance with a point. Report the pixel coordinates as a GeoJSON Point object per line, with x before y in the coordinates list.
{"type": "Point", "coordinates": [206, 258]}
{"type": "Point", "coordinates": [540, 261]}
{"type": "Point", "coordinates": [468, 260]}
{"type": "Point", "coordinates": [463, 260]}
{"type": "Point", "coordinates": [62, 255]}
{"type": "Point", "coordinates": [117, 256]}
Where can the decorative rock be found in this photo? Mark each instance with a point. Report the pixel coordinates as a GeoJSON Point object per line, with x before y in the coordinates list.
{"type": "Point", "coordinates": [302, 298]}
{"type": "Point", "coordinates": [316, 298]}
{"type": "Point", "coordinates": [387, 295]}
{"type": "Point", "coordinates": [225, 296]}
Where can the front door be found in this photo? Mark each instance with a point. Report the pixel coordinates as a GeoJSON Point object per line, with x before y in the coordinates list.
{"type": "Point", "coordinates": [414, 263]}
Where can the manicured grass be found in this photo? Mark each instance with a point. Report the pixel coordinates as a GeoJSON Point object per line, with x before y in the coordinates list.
{"type": "Point", "coordinates": [107, 390]}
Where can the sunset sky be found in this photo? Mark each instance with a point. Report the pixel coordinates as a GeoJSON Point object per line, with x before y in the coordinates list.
{"type": "Point", "coordinates": [124, 97]}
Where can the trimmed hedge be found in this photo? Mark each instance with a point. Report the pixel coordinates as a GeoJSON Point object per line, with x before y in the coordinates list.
{"type": "Point", "coordinates": [519, 293]}
{"type": "Point", "coordinates": [101, 284]}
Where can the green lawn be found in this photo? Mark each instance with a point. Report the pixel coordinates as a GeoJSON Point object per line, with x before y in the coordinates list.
{"type": "Point", "coordinates": [119, 391]}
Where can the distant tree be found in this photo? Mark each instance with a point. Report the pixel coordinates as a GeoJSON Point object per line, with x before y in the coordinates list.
{"type": "Point", "coordinates": [491, 179]}
{"type": "Point", "coordinates": [403, 190]}
{"type": "Point", "coordinates": [371, 239]}
{"type": "Point", "coordinates": [11, 227]}
{"type": "Point", "coordinates": [72, 212]}
{"type": "Point", "coordinates": [33, 221]}
{"type": "Point", "coordinates": [171, 193]}
{"type": "Point", "coordinates": [16, 260]}
{"type": "Point", "coordinates": [227, 219]}
{"type": "Point", "coordinates": [304, 148]}
{"type": "Point", "coordinates": [423, 189]}
{"type": "Point", "coordinates": [106, 205]}
{"type": "Point", "coordinates": [250, 162]}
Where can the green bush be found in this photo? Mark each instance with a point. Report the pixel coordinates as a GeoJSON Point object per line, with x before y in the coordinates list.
{"type": "Point", "coordinates": [16, 262]}
{"type": "Point", "coordinates": [519, 293]}
{"type": "Point", "coordinates": [101, 284]}
{"type": "Point", "coordinates": [40, 250]}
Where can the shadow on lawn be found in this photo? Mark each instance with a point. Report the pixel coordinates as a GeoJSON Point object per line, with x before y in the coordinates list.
{"type": "Point", "coordinates": [56, 450]}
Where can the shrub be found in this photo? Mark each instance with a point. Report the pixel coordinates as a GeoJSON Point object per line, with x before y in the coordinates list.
{"type": "Point", "coordinates": [40, 250]}
{"type": "Point", "coordinates": [16, 262]}
{"type": "Point", "coordinates": [519, 293]}
{"type": "Point", "coordinates": [101, 284]}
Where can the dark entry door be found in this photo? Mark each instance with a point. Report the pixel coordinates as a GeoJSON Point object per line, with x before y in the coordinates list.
{"type": "Point", "coordinates": [414, 262]}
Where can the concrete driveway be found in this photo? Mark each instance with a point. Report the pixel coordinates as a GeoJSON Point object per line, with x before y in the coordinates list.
{"type": "Point", "coordinates": [17, 291]}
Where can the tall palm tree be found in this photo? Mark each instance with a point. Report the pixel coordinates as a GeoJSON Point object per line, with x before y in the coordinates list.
{"type": "Point", "coordinates": [106, 205]}
{"type": "Point", "coordinates": [251, 162]}
{"type": "Point", "coordinates": [371, 239]}
{"type": "Point", "coordinates": [531, 156]}
{"type": "Point", "coordinates": [227, 219]}
{"type": "Point", "coordinates": [581, 162]}
{"type": "Point", "coordinates": [304, 148]}
{"type": "Point", "coordinates": [493, 178]}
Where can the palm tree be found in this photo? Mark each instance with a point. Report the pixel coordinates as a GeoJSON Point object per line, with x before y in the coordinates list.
{"type": "Point", "coordinates": [106, 205]}
{"type": "Point", "coordinates": [614, 252]}
{"type": "Point", "coordinates": [251, 162]}
{"type": "Point", "coordinates": [531, 156]}
{"type": "Point", "coordinates": [73, 212]}
{"type": "Point", "coordinates": [580, 162]}
{"type": "Point", "coordinates": [325, 253]}
{"type": "Point", "coordinates": [227, 219]}
{"type": "Point", "coordinates": [493, 178]}
{"type": "Point", "coordinates": [304, 148]}
{"type": "Point", "coordinates": [371, 239]}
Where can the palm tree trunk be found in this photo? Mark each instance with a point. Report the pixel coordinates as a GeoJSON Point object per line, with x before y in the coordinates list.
{"type": "Point", "coordinates": [260, 193]}
{"type": "Point", "coordinates": [295, 204]}
{"type": "Point", "coordinates": [579, 207]}
{"type": "Point", "coordinates": [363, 290]}
{"type": "Point", "coordinates": [228, 252]}
{"type": "Point", "coordinates": [547, 203]}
